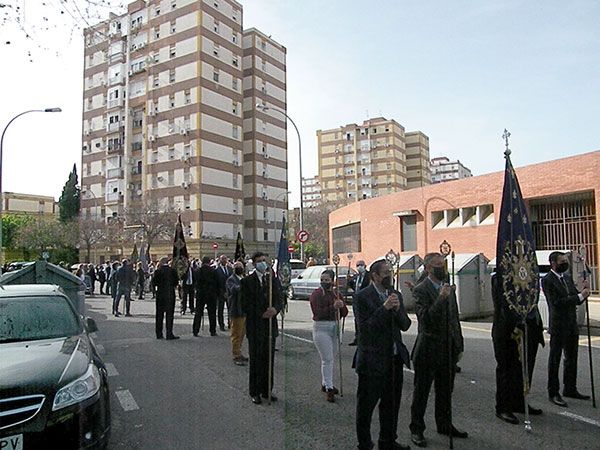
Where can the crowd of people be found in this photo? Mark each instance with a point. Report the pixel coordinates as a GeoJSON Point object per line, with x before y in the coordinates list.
{"type": "Point", "coordinates": [254, 298]}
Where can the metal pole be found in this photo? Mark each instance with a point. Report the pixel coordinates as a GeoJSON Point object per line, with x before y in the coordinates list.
{"type": "Point", "coordinates": [525, 370]}
{"type": "Point", "coordinates": [1, 157]}
{"type": "Point", "coordinates": [266, 108]}
{"type": "Point", "coordinates": [589, 336]}
{"type": "Point", "coordinates": [270, 288]}
{"type": "Point", "coordinates": [336, 261]}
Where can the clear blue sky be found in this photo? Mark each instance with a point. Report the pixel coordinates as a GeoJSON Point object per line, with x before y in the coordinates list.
{"type": "Point", "coordinates": [459, 71]}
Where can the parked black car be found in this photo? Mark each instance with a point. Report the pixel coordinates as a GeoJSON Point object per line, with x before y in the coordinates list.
{"type": "Point", "coordinates": [53, 384]}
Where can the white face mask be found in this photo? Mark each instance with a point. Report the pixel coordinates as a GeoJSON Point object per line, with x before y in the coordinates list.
{"type": "Point", "coordinates": [261, 266]}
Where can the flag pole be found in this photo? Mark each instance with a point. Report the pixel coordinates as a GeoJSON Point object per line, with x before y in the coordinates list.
{"type": "Point", "coordinates": [446, 250]}
{"type": "Point", "coordinates": [589, 336]}
{"type": "Point", "coordinates": [270, 291]}
{"type": "Point", "coordinates": [336, 261]}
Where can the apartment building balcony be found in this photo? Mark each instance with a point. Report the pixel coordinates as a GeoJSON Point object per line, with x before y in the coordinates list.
{"type": "Point", "coordinates": [115, 103]}
{"type": "Point", "coordinates": [113, 197]}
{"type": "Point", "coordinates": [114, 148]}
{"type": "Point", "coordinates": [115, 80]}
{"type": "Point", "coordinates": [116, 57]}
{"type": "Point", "coordinates": [112, 127]}
{"type": "Point", "coordinates": [114, 173]}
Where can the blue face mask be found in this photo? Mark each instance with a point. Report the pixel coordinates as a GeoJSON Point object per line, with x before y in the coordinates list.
{"type": "Point", "coordinates": [261, 266]}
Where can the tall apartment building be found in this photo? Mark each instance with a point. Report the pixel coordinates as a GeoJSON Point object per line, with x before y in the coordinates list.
{"type": "Point", "coordinates": [442, 169]}
{"type": "Point", "coordinates": [168, 115]}
{"type": "Point", "coordinates": [311, 192]}
{"type": "Point", "coordinates": [357, 162]}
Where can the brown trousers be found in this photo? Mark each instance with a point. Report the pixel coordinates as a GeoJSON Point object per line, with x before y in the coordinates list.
{"type": "Point", "coordinates": [238, 332]}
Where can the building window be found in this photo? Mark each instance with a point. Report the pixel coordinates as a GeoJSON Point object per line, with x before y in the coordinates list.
{"type": "Point", "coordinates": [234, 38]}
{"type": "Point", "coordinates": [188, 97]}
{"type": "Point", "coordinates": [172, 101]}
{"type": "Point", "coordinates": [409, 233]}
{"type": "Point", "coordinates": [172, 51]}
{"type": "Point", "coordinates": [234, 84]}
{"type": "Point", "coordinates": [216, 50]}
{"type": "Point", "coordinates": [346, 239]}
{"type": "Point", "coordinates": [173, 4]}
{"type": "Point", "coordinates": [234, 61]}
{"type": "Point", "coordinates": [172, 76]}
{"type": "Point", "coordinates": [173, 27]}
{"type": "Point", "coordinates": [157, 11]}
{"type": "Point", "coordinates": [216, 76]}
{"type": "Point", "coordinates": [234, 108]}
{"type": "Point", "coordinates": [234, 131]}
{"type": "Point", "coordinates": [216, 27]}
{"type": "Point", "coordinates": [156, 33]}
{"type": "Point", "coordinates": [216, 4]}
{"type": "Point", "coordinates": [155, 83]}
{"type": "Point", "coordinates": [263, 45]}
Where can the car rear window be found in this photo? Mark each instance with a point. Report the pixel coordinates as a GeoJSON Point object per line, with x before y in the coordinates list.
{"type": "Point", "coordinates": [33, 318]}
{"type": "Point", "coordinates": [297, 265]}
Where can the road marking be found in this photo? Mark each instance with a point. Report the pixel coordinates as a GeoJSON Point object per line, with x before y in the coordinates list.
{"type": "Point", "coordinates": [308, 341]}
{"type": "Point", "coordinates": [484, 330]}
{"type": "Point", "coordinates": [126, 400]}
{"type": "Point", "coordinates": [111, 369]}
{"type": "Point", "coordinates": [580, 418]}
{"type": "Point", "coordinates": [101, 349]}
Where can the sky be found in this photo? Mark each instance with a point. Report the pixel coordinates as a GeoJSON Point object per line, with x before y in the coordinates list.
{"type": "Point", "coordinates": [458, 71]}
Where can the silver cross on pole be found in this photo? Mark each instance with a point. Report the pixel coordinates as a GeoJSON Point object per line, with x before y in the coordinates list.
{"type": "Point", "coordinates": [505, 136]}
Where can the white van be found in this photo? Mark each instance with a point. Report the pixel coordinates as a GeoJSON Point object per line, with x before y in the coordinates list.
{"type": "Point", "coordinates": [297, 267]}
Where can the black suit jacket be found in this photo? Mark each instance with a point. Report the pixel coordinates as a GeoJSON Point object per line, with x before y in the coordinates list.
{"type": "Point", "coordinates": [562, 303]}
{"type": "Point", "coordinates": [431, 338]}
{"type": "Point", "coordinates": [206, 283]}
{"type": "Point", "coordinates": [255, 301]}
{"type": "Point", "coordinates": [222, 278]}
{"type": "Point", "coordinates": [363, 284]}
{"type": "Point", "coordinates": [379, 330]}
{"type": "Point", "coordinates": [164, 282]}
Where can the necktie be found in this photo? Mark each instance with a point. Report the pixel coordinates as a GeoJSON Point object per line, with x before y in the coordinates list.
{"type": "Point", "coordinates": [564, 283]}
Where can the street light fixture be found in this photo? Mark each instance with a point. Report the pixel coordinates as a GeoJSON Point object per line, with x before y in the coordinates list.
{"type": "Point", "coordinates": [280, 111]}
{"type": "Point", "coordinates": [47, 110]}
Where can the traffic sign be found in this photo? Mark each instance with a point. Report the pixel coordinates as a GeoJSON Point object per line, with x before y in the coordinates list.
{"type": "Point", "coordinates": [215, 246]}
{"type": "Point", "coordinates": [302, 236]}
{"type": "Point", "coordinates": [291, 249]}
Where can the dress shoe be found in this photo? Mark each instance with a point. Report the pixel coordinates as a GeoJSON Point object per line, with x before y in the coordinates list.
{"type": "Point", "coordinates": [330, 396]}
{"type": "Point", "coordinates": [183, 312]}
{"type": "Point", "coordinates": [222, 328]}
{"type": "Point", "coordinates": [128, 315]}
{"type": "Point", "coordinates": [558, 401]}
{"type": "Point", "coordinates": [576, 395]}
{"type": "Point", "coordinates": [160, 337]}
{"type": "Point", "coordinates": [195, 334]}
{"type": "Point", "coordinates": [213, 333]}
{"type": "Point", "coordinates": [392, 446]}
{"type": "Point", "coordinates": [117, 314]}
{"type": "Point", "coordinates": [238, 362]}
{"type": "Point", "coordinates": [353, 343]}
{"type": "Point", "coordinates": [273, 398]}
{"type": "Point", "coordinates": [335, 390]}
{"type": "Point", "coordinates": [256, 400]}
{"type": "Point", "coordinates": [455, 433]}
{"type": "Point", "coordinates": [508, 417]}
{"type": "Point", "coordinates": [418, 439]}
{"type": "Point", "coordinates": [172, 338]}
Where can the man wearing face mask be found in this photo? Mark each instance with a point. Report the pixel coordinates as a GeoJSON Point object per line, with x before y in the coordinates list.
{"type": "Point", "coordinates": [563, 297]}
{"type": "Point", "coordinates": [436, 308]}
{"type": "Point", "coordinates": [236, 315]}
{"type": "Point", "coordinates": [379, 358]}
{"type": "Point", "coordinates": [358, 283]}
{"type": "Point", "coordinates": [255, 305]}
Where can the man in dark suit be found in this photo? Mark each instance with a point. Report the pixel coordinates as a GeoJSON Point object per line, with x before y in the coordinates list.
{"type": "Point", "coordinates": [164, 283]}
{"type": "Point", "coordinates": [205, 286]}
{"type": "Point", "coordinates": [379, 357]}
{"type": "Point", "coordinates": [357, 284]}
{"type": "Point", "coordinates": [563, 297]}
{"type": "Point", "coordinates": [506, 329]}
{"type": "Point", "coordinates": [223, 272]}
{"type": "Point", "coordinates": [437, 310]}
{"type": "Point", "coordinates": [255, 305]}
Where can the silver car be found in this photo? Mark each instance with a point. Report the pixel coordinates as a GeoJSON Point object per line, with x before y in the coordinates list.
{"type": "Point", "coordinates": [310, 279]}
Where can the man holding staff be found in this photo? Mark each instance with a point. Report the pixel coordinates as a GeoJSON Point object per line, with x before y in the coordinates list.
{"type": "Point", "coordinates": [379, 358]}
{"type": "Point", "coordinates": [261, 304]}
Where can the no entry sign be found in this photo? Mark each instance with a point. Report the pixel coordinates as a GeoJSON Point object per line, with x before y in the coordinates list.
{"type": "Point", "coordinates": [215, 246]}
{"type": "Point", "coordinates": [291, 249]}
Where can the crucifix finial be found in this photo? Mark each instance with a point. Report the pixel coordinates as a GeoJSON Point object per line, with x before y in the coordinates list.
{"type": "Point", "coordinates": [505, 136]}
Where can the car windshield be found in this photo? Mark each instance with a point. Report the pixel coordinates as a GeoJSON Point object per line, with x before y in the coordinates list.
{"type": "Point", "coordinates": [34, 318]}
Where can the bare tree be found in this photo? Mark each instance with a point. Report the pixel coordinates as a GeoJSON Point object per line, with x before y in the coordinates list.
{"type": "Point", "coordinates": [92, 231]}
{"type": "Point", "coordinates": [316, 221]}
{"type": "Point", "coordinates": [150, 221]}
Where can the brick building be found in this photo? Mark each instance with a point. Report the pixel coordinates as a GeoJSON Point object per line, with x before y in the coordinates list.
{"type": "Point", "coordinates": [563, 197]}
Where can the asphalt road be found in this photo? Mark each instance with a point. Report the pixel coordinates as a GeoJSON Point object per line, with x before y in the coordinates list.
{"type": "Point", "coordinates": [187, 394]}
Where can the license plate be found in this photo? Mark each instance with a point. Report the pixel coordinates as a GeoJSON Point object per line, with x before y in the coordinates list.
{"type": "Point", "coordinates": [14, 442]}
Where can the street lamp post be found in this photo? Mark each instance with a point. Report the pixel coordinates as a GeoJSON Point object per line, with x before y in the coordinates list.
{"type": "Point", "coordinates": [285, 194]}
{"type": "Point", "coordinates": [266, 108]}
{"type": "Point", "coordinates": [1, 154]}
